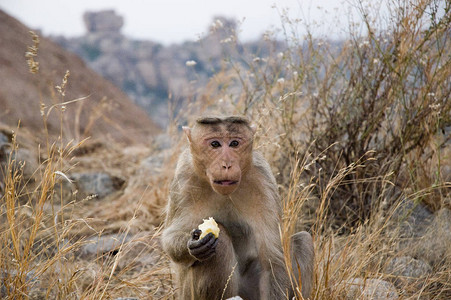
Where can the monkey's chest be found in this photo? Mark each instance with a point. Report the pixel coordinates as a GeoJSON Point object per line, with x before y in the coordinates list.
{"type": "Point", "coordinates": [246, 253]}
{"type": "Point", "coordinates": [244, 243]}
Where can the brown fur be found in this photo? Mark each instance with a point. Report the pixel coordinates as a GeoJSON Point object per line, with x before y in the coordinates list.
{"type": "Point", "coordinates": [234, 185]}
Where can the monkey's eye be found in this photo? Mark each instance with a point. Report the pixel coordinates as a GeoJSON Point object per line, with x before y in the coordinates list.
{"type": "Point", "coordinates": [234, 144]}
{"type": "Point", "coordinates": [215, 144]}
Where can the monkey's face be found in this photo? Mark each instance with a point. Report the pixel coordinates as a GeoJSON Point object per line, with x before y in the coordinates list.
{"type": "Point", "coordinates": [222, 154]}
{"type": "Point", "coordinates": [224, 162]}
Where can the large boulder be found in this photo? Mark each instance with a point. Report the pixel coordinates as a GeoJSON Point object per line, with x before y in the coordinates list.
{"type": "Point", "coordinates": [102, 245]}
{"type": "Point", "coordinates": [435, 246]}
{"type": "Point", "coordinates": [408, 272]}
{"type": "Point", "coordinates": [374, 289]}
{"type": "Point", "coordinates": [103, 21]}
{"type": "Point", "coordinates": [137, 252]}
{"type": "Point", "coordinates": [413, 218]}
{"type": "Point", "coordinates": [97, 184]}
{"type": "Point", "coordinates": [408, 266]}
{"type": "Point", "coordinates": [3, 139]}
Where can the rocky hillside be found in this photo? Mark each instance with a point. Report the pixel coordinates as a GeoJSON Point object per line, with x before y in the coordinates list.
{"type": "Point", "coordinates": [104, 111]}
{"type": "Point", "coordinates": [151, 73]}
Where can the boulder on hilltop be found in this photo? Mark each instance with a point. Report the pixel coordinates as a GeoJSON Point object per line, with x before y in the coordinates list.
{"type": "Point", "coordinates": [103, 21]}
{"type": "Point", "coordinates": [102, 111]}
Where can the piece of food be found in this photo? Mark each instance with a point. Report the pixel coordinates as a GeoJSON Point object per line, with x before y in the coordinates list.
{"type": "Point", "coordinates": [209, 225]}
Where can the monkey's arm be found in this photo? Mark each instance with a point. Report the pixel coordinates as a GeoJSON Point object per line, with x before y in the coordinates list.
{"type": "Point", "coordinates": [174, 241]}
{"type": "Point", "coordinates": [179, 220]}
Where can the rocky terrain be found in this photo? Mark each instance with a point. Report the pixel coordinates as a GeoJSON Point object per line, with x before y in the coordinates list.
{"type": "Point", "coordinates": [153, 74]}
{"type": "Point", "coordinates": [104, 111]}
{"type": "Point", "coordinates": [91, 211]}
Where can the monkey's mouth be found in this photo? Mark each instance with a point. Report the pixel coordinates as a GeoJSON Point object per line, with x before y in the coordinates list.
{"type": "Point", "coordinates": [225, 182]}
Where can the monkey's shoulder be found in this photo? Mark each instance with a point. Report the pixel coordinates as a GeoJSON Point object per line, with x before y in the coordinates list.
{"type": "Point", "coordinates": [262, 168]}
{"type": "Point", "coordinates": [184, 169]}
{"type": "Point", "coordinates": [184, 160]}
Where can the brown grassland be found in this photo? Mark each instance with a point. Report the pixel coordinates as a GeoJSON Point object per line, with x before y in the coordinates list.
{"type": "Point", "coordinates": [353, 130]}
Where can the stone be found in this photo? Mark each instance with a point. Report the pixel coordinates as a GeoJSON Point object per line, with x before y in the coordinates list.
{"type": "Point", "coordinates": [435, 246]}
{"type": "Point", "coordinates": [140, 251]}
{"type": "Point", "coordinates": [8, 276]}
{"type": "Point", "coordinates": [28, 160]}
{"type": "Point", "coordinates": [137, 251]}
{"type": "Point", "coordinates": [163, 141]}
{"type": "Point", "coordinates": [370, 289]}
{"type": "Point", "coordinates": [408, 266]}
{"type": "Point", "coordinates": [407, 271]}
{"type": "Point", "coordinates": [422, 234]}
{"type": "Point", "coordinates": [101, 245]}
{"type": "Point", "coordinates": [153, 74]}
{"type": "Point", "coordinates": [151, 165]}
{"type": "Point", "coordinates": [414, 219]}
{"type": "Point", "coordinates": [3, 139]}
{"type": "Point", "coordinates": [103, 21]}
{"type": "Point", "coordinates": [96, 183]}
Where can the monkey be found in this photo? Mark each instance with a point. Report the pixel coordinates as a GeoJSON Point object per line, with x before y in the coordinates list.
{"type": "Point", "coordinates": [220, 175]}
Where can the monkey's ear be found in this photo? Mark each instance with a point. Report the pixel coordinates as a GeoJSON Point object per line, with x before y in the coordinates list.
{"type": "Point", "coordinates": [187, 131]}
{"type": "Point", "coordinates": [253, 128]}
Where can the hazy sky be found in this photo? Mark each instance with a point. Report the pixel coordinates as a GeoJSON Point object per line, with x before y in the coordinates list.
{"type": "Point", "coordinates": [171, 21]}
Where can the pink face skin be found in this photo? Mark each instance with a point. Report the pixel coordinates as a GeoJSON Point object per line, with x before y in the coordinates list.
{"type": "Point", "coordinates": [223, 155]}
{"type": "Point", "coordinates": [224, 171]}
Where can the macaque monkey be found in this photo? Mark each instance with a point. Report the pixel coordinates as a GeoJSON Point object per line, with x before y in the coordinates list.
{"type": "Point", "coordinates": [220, 176]}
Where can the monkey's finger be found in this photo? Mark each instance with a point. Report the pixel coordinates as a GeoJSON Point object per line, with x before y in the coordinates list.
{"type": "Point", "coordinates": [204, 248]}
{"type": "Point", "coordinates": [206, 255]}
{"type": "Point", "coordinates": [195, 234]}
{"type": "Point", "coordinates": [201, 253]}
{"type": "Point", "coordinates": [207, 240]}
{"type": "Point", "coordinates": [210, 245]}
{"type": "Point", "coordinates": [200, 250]}
{"type": "Point", "coordinates": [213, 246]}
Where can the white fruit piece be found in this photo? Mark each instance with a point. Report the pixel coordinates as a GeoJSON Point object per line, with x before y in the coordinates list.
{"type": "Point", "coordinates": [209, 225]}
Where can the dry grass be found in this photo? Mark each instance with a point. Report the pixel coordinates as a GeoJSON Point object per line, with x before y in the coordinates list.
{"type": "Point", "coordinates": [44, 226]}
{"type": "Point", "coordinates": [351, 130]}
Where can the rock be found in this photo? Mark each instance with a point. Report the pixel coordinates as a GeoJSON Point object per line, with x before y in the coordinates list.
{"type": "Point", "coordinates": [414, 219]}
{"type": "Point", "coordinates": [151, 165]}
{"type": "Point", "coordinates": [435, 246]}
{"type": "Point", "coordinates": [445, 166]}
{"type": "Point", "coordinates": [28, 160]}
{"type": "Point", "coordinates": [96, 183]}
{"type": "Point", "coordinates": [37, 293]}
{"type": "Point", "coordinates": [370, 289]}
{"type": "Point", "coordinates": [142, 250]}
{"type": "Point", "coordinates": [137, 252]}
{"type": "Point", "coordinates": [407, 270]}
{"type": "Point", "coordinates": [4, 150]}
{"type": "Point", "coordinates": [153, 74]}
{"type": "Point", "coordinates": [103, 21]}
{"type": "Point", "coordinates": [163, 141]}
{"type": "Point", "coordinates": [3, 139]}
{"type": "Point", "coordinates": [422, 234]}
{"type": "Point", "coordinates": [235, 298]}
{"type": "Point", "coordinates": [408, 267]}
{"type": "Point", "coordinates": [6, 277]}
{"type": "Point", "coordinates": [24, 162]}
{"type": "Point", "coordinates": [97, 246]}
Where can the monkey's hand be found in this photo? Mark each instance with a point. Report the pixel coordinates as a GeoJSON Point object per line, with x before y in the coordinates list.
{"type": "Point", "coordinates": [202, 249]}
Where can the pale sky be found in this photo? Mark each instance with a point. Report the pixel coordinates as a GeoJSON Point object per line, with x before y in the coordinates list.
{"type": "Point", "coordinates": [174, 21]}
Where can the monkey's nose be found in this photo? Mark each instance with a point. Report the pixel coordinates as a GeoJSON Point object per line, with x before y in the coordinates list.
{"type": "Point", "coordinates": [226, 165]}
